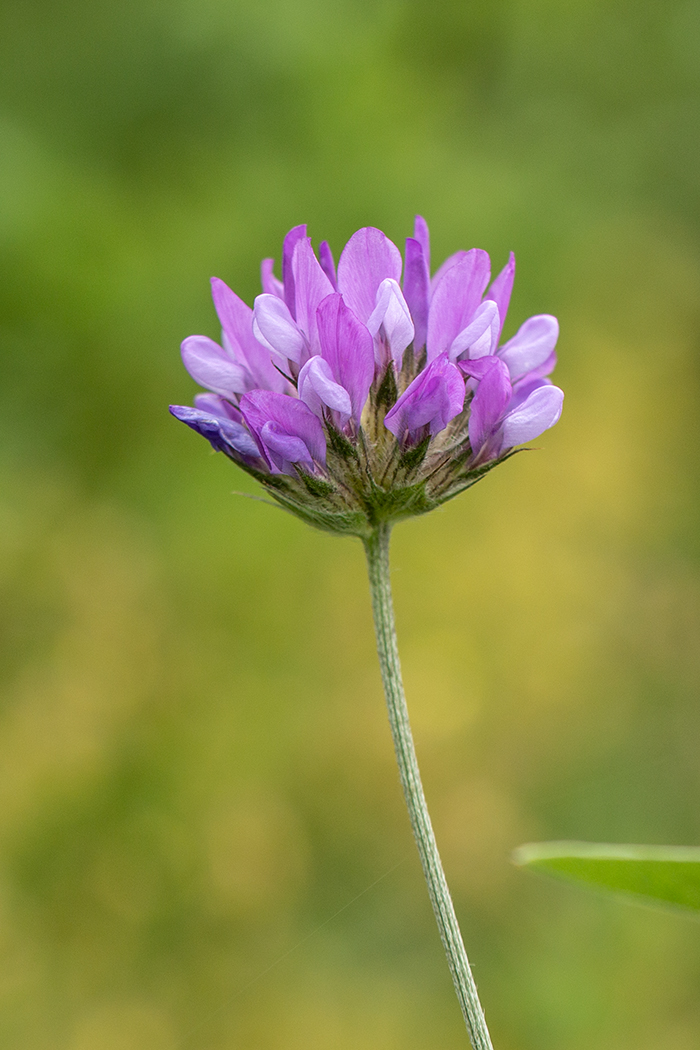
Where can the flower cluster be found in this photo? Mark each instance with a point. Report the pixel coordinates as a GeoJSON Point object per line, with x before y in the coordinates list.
{"type": "Point", "coordinates": [356, 397]}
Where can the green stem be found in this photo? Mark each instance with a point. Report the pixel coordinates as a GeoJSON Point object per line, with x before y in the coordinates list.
{"type": "Point", "coordinates": [377, 548]}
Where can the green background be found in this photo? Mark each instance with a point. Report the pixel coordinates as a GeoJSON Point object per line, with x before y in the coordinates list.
{"type": "Point", "coordinates": [195, 772]}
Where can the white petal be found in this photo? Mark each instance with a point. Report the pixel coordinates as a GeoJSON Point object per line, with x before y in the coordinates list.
{"type": "Point", "coordinates": [480, 337]}
{"type": "Point", "coordinates": [317, 388]}
{"type": "Point", "coordinates": [274, 327]}
{"type": "Point", "coordinates": [531, 345]}
{"type": "Point", "coordinates": [391, 318]}
{"type": "Point", "coordinates": [538, 413]}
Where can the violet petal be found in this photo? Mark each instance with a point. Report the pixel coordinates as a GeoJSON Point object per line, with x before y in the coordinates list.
{"type": "Point", "coordinates": [547, 366]}
{"type": "Point", "coordinates": [318, 389]}
{"type": "Point", "coordinates": [416, 289]}
{"type": "Point", "coordinates": [422, 235]}
{"type": "Point", "coordinates": [325, 257]}
{"type": "Point", "coordinates": [531, 346]}
{"type": "Point", "coordinates": [480, 337]}
{"type": "Point", "coordinates": [311, 287]}
{"type": "Point", "coordinates": [275, 328]}
{"type": "Point", "coordinates": [367, 259]}
{"type": "Point", "coordinates": [283, 448]}
{"type": "Point", "coordinates": [236, 319]}
{"type": "Point", "coordinates": [210, 366]}
{"type": "Point", "coordinates": [443, 268]}
{"type": "Point", "coordinates": [433, 398]}
{"type": "Point", "coordinates": [347, 346]}
{"type": "Point", "coordinates": [455, 298]}
{"type": "Point", "coordinates": [271, 285]}
{"type": "Point", "coordinates": [273, 417]}
{"type": "Point", "coordinates": [222, 434]}
{"type": "Point", "coordinates": [537, 413]}
{"type": "Point", "coordinates": [490, 400]}
{"type": "Point", "coordinates": [296, 234]}
{"type": "Point", "coordinates": [524, 387]}
{"type": "Point", "coordinates": [219, 407]}
{"type": "Point", "coordinates": [501, 289]}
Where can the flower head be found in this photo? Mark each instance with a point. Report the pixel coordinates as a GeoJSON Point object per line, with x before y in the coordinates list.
{"type": "Point", "coordinates": [357, 397]}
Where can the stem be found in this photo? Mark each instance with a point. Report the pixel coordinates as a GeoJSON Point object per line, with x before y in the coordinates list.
{"type": "Point", "coordinates": [377, 548]}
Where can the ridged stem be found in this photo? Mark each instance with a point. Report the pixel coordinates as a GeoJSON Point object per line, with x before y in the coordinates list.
{"type": "Point", "coordinates": [377, 548]}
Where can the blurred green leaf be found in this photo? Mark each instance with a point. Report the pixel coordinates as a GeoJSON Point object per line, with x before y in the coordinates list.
{"type": "Point", "coordinates": [657, 875]}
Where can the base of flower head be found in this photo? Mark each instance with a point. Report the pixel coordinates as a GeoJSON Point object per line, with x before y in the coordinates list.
{"type": "Point", "coordinates": [369, 477]}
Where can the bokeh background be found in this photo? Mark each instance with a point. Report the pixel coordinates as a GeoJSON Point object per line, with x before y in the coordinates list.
{"type": "Point", "coordinates": [202, 840]}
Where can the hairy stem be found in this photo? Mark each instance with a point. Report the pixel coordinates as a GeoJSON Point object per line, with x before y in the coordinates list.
{"type": "Point", "coordinates": [377, 548]}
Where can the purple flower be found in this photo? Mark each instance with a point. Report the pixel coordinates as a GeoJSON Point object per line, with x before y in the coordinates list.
{"type": "Point", "coordinates": [287, 327]}
{"type": "Point", "coordinates": [500, 290]}
{"type": "Point", "coordinates": [367, 259]}
{"type": "Point", "coordinates": [390, 324]}
{"type": "Point", "coordinates": [240, 363]}
{"type": "Point", "coordinates": [503, 415]}
{"type": "Point", "coordinates": [458, 288]}
{"type": "Point", "coordinates": [339, 378]}
{"type": "Point", "coordinates": [325, 257]}
{"type": "Point", "coordinates": [369, 272]}
{"type": "Point", "coordinates": [416, 281]}
{"type": "Point", "coordinates": [325, 387]}
{"type": "Point", "coordinates": [286, 431]}
{"type": "Point", "coordinates": [223, 433]}
{"type": "Point", "coordinates": [532, 347]}
{"type": "Point", "coordinates": [480, 337]}
{"type": "Point", "coordinates": [431, 401]}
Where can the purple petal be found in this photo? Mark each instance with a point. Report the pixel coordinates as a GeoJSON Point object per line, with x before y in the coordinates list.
{"type": "Point", "coordinates": [433, 398]}
{"type": "Point", "coordinates": [422, 235]}
{"type": "Point", "coordinates": [367, 259]}
{"type": "Point", "coordinates": [283, 448]}
{"type": "Point", "coordinates": [224, 435]}
{"type": "Point", "coordinates": [236, 319]}
{"type": "Point", "coordinates": [235, 316]}
{"type": "Point", "coordinates": [311, 288]}
{"type": "Point", "coordinates": [274, 327]}
{"type": "Point", "coordinates": [219, 407]}
{"type": "Point", "coordinates": [347, 346]}
{"type": "Point", "coordinates": [481, 336]}
{"type": "Point", "coordinates": [325, 256]}
{"type": "Point", "coordinates": [490, 400]}
{"type": "Point", "coordinates": [501, 288]}
{"type": "Point", "coordinates": [271, 285]}
{"type": "Point", "coordinates": [531, 346]}
{"type": "Point", "coordinates": [318, 389]}
{"type": "Point", "coordinates": [524, 387]}
{"type": "Point", "coordinates": [455, 299]}
{"type": "Point", "coordinates": [537, 413]}
{"type": "Point", "coordinates": [295, 235]}
{"type": "Point", "coordinates": [286, 431]}
{"type": "Point", "coordinates": [416, 289]}
{"type": "Point", "coordinates": [442, 270]}
{"type": "Point", "coordinates": [547, 366]}
{"type": "Point", "coordinates": [390, 323]}
{"type": "Point", "coordinates": [210, 366]}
